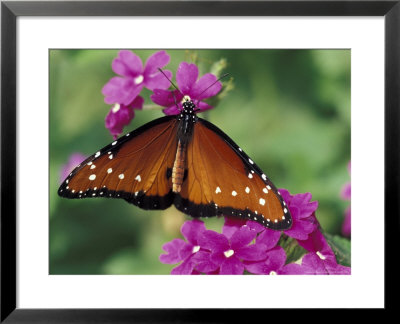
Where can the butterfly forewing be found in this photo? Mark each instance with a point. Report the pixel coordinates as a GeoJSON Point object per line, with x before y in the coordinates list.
{"type": "Point", "coordinates": [134, 168]}
{"type": "Point", "coordinates": [222, 179]}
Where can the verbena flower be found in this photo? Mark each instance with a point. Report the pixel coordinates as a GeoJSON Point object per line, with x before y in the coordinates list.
{"type": "Point", "coordinates": [303, 214]}
{"type": "Point", "coordinates": [120, 116]}
{"type": "Point", "coordinates": [73, 161]}
{"type": "Point", "coordinates": [346, 195]}
{"type": "Point", "coordinates": [229, 254]}
{"type": "Point", "coordinates": [320, 259]}
{"type": "Point", "coordinates": [190, 86]}
{"type": "Point", "coordinates": [274, 264]}
{"type": "Point", "coordinates": [190, 253]}
{"type": "Point", "coordinates": [134, 77]}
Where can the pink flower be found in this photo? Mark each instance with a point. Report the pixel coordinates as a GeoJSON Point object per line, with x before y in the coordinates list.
{"type": "Point", "coordinates": [229, 254]}
{"type": "Point", "coordinates": [189, 85]}
{"type": "Point", "coordinates": [303, 214]}
{"type": "Point", "coordinates": [134, 77]}
{"type": "Point", "coordinates": [320, 259]}
{"type": "Point", "coordinates": [73, 161]}
{"type": "Point", "coordinates": [274, 264]}
{"type": "Point", "coordinates": [190, 253]}
{"type": "Point", "coordinates": [121, 115]}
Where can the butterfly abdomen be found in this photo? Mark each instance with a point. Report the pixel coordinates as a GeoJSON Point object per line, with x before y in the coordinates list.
{"type": "Point", "coordinates": [178, 171]}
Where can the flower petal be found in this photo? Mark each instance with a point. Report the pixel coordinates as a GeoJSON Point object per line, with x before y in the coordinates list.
{"type": "Point", "coordinates": [346, 226]}
{"type": "Point", "coordinates": [274, 261]}
{"type": "Point", "coordinates": [255, 226]}
{"type": "Point", "coordinates": [200, 91]}
{"type": "Point", "coordinates": [172, 110]}
{"type": "Point", "coordinates": [192, 229]}
{"type": "Point", "coordinates": [73, 161]}
{"type": "Point", "coordinates": [231, 225]}
{"type": "Point", "coordinates": [202, 106]}
{"type": "Point", "coordinates": [154, 62]}
{"type": "Point", "coordinates": [116, 120]}
{"type": "Point", "coordinates": [127, 64]}
{"type": "Point", "coordinates": [292, 269]}
{"type": "Point", "coordinates": [166, 98]}
{"type": "Point", "coordinates": [231, 266]}
{"type": "Point", "coordinates": [158, 81]}
{"type": "Point", "coordinates": [316, 242]}
{"type": "Point", "coordinates": [172, 248]}
{"type": "Point", "coordinates": [186, 76]}
{"type": "Point", "coordinates": [269, 238]}
{"type": "Point", "coordinates": [242, 237]}
{"type": "Point", "coordinates": [213, 241]}
{"type": "Point", "coordinates": [345, 193]}
{"type": "Point", "coordinates": [186, 251]}
{"type": "Point", "coordinates": [253, 252]}
{"type": "Point", "coordinates": [121, 90]}
{"type": "Point", "coordinates": [204, 263]}
{"type": "Point", "coordinates": [185, 268]}
{"type": "Point", "coordinates": [287, 197]}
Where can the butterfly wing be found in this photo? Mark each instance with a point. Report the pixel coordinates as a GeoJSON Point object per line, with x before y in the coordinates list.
{"type": "Point", "coordinates": [134, 168]}
{"type": "Point", "coordinates": [223, 180]}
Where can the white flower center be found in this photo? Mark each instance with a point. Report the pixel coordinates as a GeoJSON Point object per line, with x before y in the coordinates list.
{"type": "Point", "coordinates": [320, 255]}
{"type": "Point", "coordinates": [116, 107]}
{"type": "Point", "coordinates": [229, 253]}
{"type": "Point", "coordinates": [272, 273]}
{"type": "Point", "coordinates": [196, 249]}
{"type": "Point", "coordinates": [139, 79]}
{"type": "Point", "coordinates": [185, 99]}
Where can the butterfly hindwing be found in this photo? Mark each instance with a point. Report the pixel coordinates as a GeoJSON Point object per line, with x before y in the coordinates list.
{"type": "Point", "coordinates": [223, 180]}
{"type": "Point", "coordinates": [133, 167]}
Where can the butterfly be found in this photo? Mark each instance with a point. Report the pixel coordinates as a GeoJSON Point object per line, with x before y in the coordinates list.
{"type": "Point", "coordinates": [181, 160]}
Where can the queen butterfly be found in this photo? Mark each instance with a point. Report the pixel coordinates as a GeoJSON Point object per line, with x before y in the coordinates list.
{"type": "Point", "coordinates": [182, 160]}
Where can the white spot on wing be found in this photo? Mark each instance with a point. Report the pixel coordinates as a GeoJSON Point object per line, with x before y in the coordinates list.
{"type": "Point", "coordinates": [121, 176]}
{"type": "Point", "coordinates": [109, 170]}
{"type": "Point", "coordinates": [92, 177]}
{"type": "Point", "coordinates": [262, 201]}
{"type": "Point", "coordinates": [138, 178]}
{"type": "Point", "coordinates": [234, 193]}
{"type": "Point", "coordinates": [96, 155]}
{"type": "Point", "coordinates": [247, 190]}
{"type": "Point", "coordinates": [218, 190]}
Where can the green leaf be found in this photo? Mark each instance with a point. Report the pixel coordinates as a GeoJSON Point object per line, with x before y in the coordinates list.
{"type": "Point", "coordinates": [293, 250]}
{"type": "Point", "coordinates": [341, 247]}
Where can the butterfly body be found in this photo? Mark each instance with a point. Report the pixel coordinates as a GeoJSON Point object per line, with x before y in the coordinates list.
{"type": "Point", "coordinates": [185, 161]}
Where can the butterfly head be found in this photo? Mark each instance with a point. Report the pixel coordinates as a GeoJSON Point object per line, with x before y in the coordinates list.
{"type": "Point", "coordinates": [188, 107]}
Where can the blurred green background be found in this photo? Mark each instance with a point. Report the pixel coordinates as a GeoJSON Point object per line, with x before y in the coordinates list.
{"type": "Point", "coordinates": [289, 110]}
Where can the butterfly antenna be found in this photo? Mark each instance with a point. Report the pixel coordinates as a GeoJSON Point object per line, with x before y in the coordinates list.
{"type": "Point", "coordinates": [223, 76]}
{"type": "Point", "coordinates": [173, 84]}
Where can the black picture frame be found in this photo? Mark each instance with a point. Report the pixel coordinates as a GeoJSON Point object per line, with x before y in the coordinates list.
{"type": "Point", "coordinates": [11, 10]}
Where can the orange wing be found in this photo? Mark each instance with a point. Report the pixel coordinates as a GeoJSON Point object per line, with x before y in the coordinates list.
{"type": "Point", "coordinates": [222, 179]}
{"type": "Point", "coordinates": [134, 168]}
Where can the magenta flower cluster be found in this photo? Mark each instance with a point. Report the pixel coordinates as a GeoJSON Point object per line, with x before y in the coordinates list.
{"type": "Point", "coordinates": [247, 246]}
{"type": "Point", "coordinates": [123, 91]}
